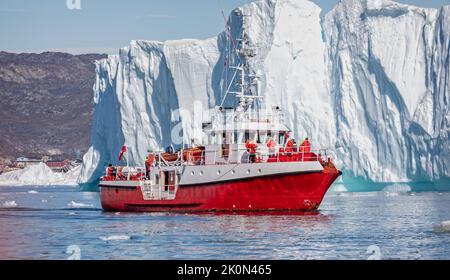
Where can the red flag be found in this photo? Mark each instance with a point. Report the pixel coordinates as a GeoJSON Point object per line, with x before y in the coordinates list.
{"type": "Point", "coordinates": [124, 149]}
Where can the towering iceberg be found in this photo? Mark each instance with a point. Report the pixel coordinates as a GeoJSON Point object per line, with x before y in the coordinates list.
{"type": "Point", "coordinates": [369, 80]}
{"type": "Point", "coordinates": [389, 74]}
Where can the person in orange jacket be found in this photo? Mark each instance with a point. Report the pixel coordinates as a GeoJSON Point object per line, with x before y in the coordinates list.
{"type": "Point", "coordinates": [289, 146]}
{"type": "Point", "coordinates": [251, 149]}
{"type": "Point", "coordinates": [305, 146]}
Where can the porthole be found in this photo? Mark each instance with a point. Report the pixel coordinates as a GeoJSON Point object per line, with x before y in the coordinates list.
{"type": "Point", "coordinates": [233, 171]}
{"type": "Point", "coordinates": [192, 173]}
{"type": "Point", "coordinates": [218, 172]}
{"type": "Point", "coordinates": [200, 173]}
{"type": "Point", "coordinates": [248, 171]}
{"type": "Point", "coordinates": [259, 171]}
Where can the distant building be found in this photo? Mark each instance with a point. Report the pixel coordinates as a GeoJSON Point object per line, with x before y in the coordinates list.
{"type": "Point", "coordinates": [59, 166]}
{"type": "Point", "coordinates": [23, 162]}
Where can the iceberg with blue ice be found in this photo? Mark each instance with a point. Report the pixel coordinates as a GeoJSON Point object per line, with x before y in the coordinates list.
{"type": "Point", "coordinates": [369, 80]}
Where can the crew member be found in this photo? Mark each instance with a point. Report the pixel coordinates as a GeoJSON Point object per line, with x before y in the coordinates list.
{"type": "Point", "coordinates": [271, 146]}
{"type": "Point", "coordinates": [289, 146]}
{"type": "Point", "coordinates": [148, 164]}
{"type": "Point", "coordinates": [111, 171]}
{"type": "Point", "coordinates": [251, 149]}
{"type": "Point", "coordinates": [305, 146]}
{"type": "Point", "coordinates": [120, 174]}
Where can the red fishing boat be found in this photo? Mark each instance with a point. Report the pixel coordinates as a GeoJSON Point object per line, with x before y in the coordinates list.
{"type": "Point", "coordinates": [248, 162]}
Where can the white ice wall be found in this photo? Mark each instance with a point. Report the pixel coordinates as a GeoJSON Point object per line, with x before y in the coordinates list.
{"type": "Point", "coordinates": [370, 81]}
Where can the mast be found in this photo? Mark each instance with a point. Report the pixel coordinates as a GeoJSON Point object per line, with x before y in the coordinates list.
{"type": "Point", "coordinates": [247, 91]}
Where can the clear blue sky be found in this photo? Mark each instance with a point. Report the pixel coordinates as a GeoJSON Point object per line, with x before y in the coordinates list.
{"type": "Point", "coordinates": [106, 25]}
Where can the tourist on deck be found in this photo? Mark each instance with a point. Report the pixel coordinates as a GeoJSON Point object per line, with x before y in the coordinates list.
{"type": "Point", "coordinates": [251, 149]}
{"type": "Point", "coordinates": [305, 147]}
{"type": "Point", "coordinates": [111, 171]}
{"type": "Point", "coordinates": [289, 146]}
{"type": "Point", "coordinates": [148, 165]}
{"type": "Point", "coordinates": [271, 146]}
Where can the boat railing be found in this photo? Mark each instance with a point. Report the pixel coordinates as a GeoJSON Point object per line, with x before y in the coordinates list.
{"type": "Point", "coordinates": [153, 191]}
{"type": "Point", "coordinates": [223, 156]}
{"type": "Point", "coordinates": [124, 173]}
{"type": "Point", "coordinates": [228, 116]}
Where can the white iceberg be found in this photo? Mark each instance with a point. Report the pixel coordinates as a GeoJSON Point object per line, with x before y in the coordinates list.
{"type": "Point", "coordinates": [370, 81]}
{"type": "Point", "coordinates": [39, 174]}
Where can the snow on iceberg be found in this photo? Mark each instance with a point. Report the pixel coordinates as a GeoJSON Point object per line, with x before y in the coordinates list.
{"type": "Point", "coordinates": [39, 174]}
{"type": "Point", "coordinates": [370, 81]}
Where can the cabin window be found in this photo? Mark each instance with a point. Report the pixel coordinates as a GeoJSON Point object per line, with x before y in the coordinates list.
{"type": "Point", "coordinates": [156, 179]}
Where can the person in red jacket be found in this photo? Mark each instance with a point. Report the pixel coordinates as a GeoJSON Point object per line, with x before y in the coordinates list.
{"type": "Point", "coordinates": [251, 149]}
{"type": "Point", "coordinates": [111, 171]}
{"type": "Point", "coordinates": [271, 146]}
{"type": "Point", "coordinates": [305, 146]}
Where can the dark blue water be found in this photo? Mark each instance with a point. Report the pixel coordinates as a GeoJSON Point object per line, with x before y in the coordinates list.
{"type": "Point", "coordinates": [62, 222]}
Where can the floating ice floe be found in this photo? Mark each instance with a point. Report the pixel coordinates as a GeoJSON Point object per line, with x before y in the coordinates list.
{"type": "Point", "coordinates": [396, 189]}
{"type": "Point", "coordinates": [442, 227]}
{"type": "Point", "coordinates": [10, 204]}
{"type": "Point", "coordinates": [74, 204]}
{"type": "Point", "coordinates": [39, 174]}
{"type": "Point", "coordinates": [338, 188]}
{"type": "Point", "coordinates": [115, 237]}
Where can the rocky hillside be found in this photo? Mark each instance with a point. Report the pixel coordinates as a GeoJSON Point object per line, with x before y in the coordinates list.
{"type": "Point", "coordinates": [46, 103]}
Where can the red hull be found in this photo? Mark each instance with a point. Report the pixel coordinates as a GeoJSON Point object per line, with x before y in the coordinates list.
{"type": "Point", "coordinates": [288, 192]}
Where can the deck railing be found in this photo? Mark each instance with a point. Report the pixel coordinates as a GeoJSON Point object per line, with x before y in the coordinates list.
{"type": "Point", "coordinates": [222, 156]}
